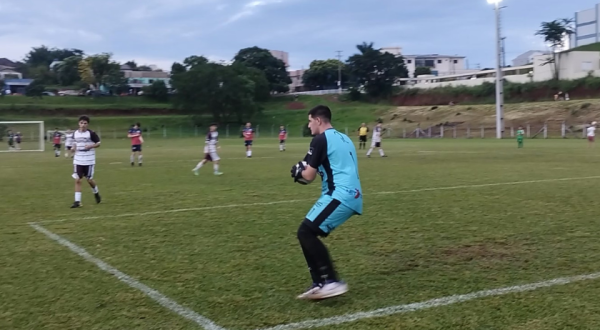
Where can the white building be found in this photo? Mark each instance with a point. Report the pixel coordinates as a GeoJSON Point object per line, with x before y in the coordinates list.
{"type": "Point", "coordinates": [587, 27]}
{"type": "Point", "coordinates": [284, 56]}
{"type": "Point", "coordinates": [296, 75]}
{"type": "Point", "coordinates": [527, 57]}
{"type": "Point", "coordinates": [392, 50]}
{"type": "Point", "coordinates": [440, 65]}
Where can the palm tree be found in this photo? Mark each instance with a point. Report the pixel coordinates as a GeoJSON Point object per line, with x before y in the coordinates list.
{"type": "Point", "coordinates": [555, 32]}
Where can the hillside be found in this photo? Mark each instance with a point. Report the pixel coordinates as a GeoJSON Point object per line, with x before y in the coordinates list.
{"type": "Point", "coordinates": [346, 115]}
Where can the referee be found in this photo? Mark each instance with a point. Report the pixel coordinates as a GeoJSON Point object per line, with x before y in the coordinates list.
{"type": "Point", "coordinates": [362, 136]}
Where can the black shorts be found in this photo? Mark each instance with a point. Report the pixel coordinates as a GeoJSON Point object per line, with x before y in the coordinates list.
{"type": "Point", "coordinates": [208, 157]}
{"type": "Point", "coordinates": [57, 146]}
{"type": "Point", "coordinates": [136, 148]}
{"type": "Point", "coordinates": [281, 141]}
{"type": "Point", "coordinates": [248, 143]}
{"type": "Point", "coordinates": [362, 138]}
{"type": "Point", "coordinates": [84, 171]}
{"type": "Point", "coordinates": [377, 144]}
{"type": "Point", "coordinates": [69, 147]}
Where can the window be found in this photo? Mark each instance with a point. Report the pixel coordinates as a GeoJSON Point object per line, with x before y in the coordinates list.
{"type": "Point", "coordinates": [455, 61]}
{"type": "Point", "coordinates": [439, 61]}
{"type": "Point", "coordinates": [409, 61]}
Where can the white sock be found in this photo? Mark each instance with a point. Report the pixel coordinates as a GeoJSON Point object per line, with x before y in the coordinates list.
{"type": "Point", "coordinates": [78, 196]}
{"type": "Point", "coordinates": [381, 152]}
{"type": "Point", "coordinates": [369, 152]}
{"type": "Point", "coordinates": [249, 152]}
{"type": "Point", "coordinates": [280, 147]}
{"type": "Point", "coordinates": [216, 167]}
{"type": "Point", "coordinates": [131, 159]}
{"type": "Point", "coordinates": [198, 166]}
{"type": "Point", "coordinates": [95, 190]}
{"type": "Point", "coordinates": [139, 159]}
{"type": "Point", "coordinates": [57, 153]}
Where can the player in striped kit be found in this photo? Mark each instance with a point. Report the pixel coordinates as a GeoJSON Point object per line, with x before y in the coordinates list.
{"type": "Point", "coordinates": [57, 141]}
{"type": "Point", "coordinates": [210, 151]}
{"type": "Point", "coordinates": [85, 142]}
{"type": "Point", "coordinates": [376, 143]}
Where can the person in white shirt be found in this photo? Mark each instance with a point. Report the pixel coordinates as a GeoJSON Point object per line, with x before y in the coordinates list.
{"type": "Point", "coordinates": [376, 141]}
{"type": "Point", "coordinates": [85, 142]}
{"type": "Point", "coordinates": [210, 151]}
{"type": "Point", "coordinates": [591, 134]}
{"type": "Point", "coordinates": [69, 144]}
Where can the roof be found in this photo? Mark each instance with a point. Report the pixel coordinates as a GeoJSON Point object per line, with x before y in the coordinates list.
{"type": "Point", "coordinates": [18, 82]}
{"type": "Point", "coordinates": [434, 56]}
{"type": "Point", "coordinates": [7, 62]}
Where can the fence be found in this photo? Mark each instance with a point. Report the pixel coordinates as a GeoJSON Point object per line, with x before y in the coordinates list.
{"type": "Point", "coordinates": [534, 130]}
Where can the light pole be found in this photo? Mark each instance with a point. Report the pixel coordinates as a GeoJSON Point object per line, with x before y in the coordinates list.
{"type": "Point", "coordinates": [499, 87]}
{"type": "Point", "coordinates": [339, 56]}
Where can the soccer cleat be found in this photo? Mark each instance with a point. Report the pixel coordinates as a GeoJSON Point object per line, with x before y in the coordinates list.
{"type": "Point", "coordinates": [76, 205]}
{"type": "Point", "coordinates": [140, 164]}
{"type": "Point", "coordinates": [328, 290]}
{"type": "Point", "coordinates": [196, 172]}
{"type": "Point", "coordinates": [98, 198]}
{"type": "Point", "coordinates": [218, 173]}
{"type": "Point", "coordinates": [384, 156]}
{"type": "Point", "coordinates": [132, 164]}
{"type": "Point", "coordinates": [313, 288]}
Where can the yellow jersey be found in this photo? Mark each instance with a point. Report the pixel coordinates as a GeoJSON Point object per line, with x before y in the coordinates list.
{"type": "Point", "coordinates": [362, 131]}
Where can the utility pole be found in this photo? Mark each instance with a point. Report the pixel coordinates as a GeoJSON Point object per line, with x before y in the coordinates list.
{"type": "Point", "coordinates": [339, 56]}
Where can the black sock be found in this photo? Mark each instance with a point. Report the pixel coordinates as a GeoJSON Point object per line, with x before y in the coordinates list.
{"type": "Point", "coordinates": [316, 254]}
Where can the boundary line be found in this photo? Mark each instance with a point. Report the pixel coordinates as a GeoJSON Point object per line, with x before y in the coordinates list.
{"type": "Point", "coordinates": [449, 300]}
{"type": "Point", "coordinates": [161, 299]}
{"type": "Point", "coordinates": [304, 200]}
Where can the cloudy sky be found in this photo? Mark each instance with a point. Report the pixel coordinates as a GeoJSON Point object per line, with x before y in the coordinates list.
{"type": "Point", "coordinates": [162, 31]}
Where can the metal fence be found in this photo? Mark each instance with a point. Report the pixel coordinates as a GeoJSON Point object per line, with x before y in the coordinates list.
{"type": "Point", "coordinates": [460, 131]}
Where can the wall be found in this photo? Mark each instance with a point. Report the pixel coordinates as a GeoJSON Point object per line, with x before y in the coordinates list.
{"type": "Point", "coordinates": [573, 65]}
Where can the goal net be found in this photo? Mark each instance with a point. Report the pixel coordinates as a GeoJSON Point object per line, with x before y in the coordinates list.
{"type": "Point", "coordinates": [22, 136]}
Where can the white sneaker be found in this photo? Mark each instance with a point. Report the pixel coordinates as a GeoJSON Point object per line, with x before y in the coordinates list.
{"type": "Point", "coordinates": [315, 287]}
{"type": "Point", "coordinates": [328, 290]}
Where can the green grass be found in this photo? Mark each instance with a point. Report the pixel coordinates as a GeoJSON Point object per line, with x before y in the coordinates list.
{"type": "Point", "coordinates": [347, 114]}
{"type": "Point", "coordinates": [241, 266]}
{"type": "Point", "coordinates": [594, 47]}
{"type": "Point", "coordinates": [74, 102]}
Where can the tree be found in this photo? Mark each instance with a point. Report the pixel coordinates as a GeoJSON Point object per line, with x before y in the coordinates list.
{"type": "Point", "coordinates": [132, 65]}
{"type": "Point", "coordinates": [273, 68]}
{"type": "Point", "coordinates": [67, 72]}
{"type": "Point", "coordinates": [44, 56]}
{"type": "Point", "coordinates": [157, 91]}
{"type": "Point", "coordinates": [218, 90]}
{"type": "Point", "coordinates": [177, 68]}
{"type": "Point", "coordinates": [35, 89]}
{"type": "Point", "coordinates": [261, 86]}
{"type": "Point", "coordinates": [324, 74]}
{"type": "Point", "coordinates": [422, 70]}
{"type": "Point", "coordinates": [375, 71]}
{"type": "Point", "coordinates": [143, 68]}
{"type": "Point", "coordinates": [98, 70]}
{"type": "Point", "coordinates": [555, 33]}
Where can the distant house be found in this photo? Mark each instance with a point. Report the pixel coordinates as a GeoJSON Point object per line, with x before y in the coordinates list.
{"type": "Point", "coordinates": [7, 72]}
{"type": "Point", "coordinates": [7, 63]}
{"type": "Point", "coordinates": [16, 86]}
{"type": "Point", "coordinates": [527, 57]}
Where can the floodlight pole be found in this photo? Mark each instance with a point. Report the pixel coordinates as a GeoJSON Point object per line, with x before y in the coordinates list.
{"type": "Point", "coordinates": [499, 84]}
{"type": "Point", "coordinates": [339, 56]}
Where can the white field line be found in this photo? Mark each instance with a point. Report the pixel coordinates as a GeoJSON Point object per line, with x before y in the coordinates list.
{"type": "Point", "coordinates": [431, 303]}
{"type": "Point", "coordinates": [304, 200]}
{"type": "Point", "coordinates": [161, 299]}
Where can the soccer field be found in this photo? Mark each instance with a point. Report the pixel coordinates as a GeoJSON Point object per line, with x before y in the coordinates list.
{"type": "Point", "coordinates": [456, 234]}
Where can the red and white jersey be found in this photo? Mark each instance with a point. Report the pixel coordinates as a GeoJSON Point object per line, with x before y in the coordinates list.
{"type": "Point", "coordinates": [212, 138]}
{"type": "Point", "coordinates": [248, 134]}
{"type": "Point", "coordinates": [80, 140]}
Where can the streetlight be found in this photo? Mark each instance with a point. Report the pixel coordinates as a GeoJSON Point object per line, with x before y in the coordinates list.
{"type": "Point", "coordinates": [499, 87]}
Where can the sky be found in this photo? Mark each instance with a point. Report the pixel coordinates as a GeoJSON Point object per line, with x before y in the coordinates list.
{"type": "Point", "coordinates": [161, 32]}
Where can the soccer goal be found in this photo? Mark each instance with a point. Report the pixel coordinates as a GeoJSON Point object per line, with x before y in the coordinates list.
{"type": "Point", "coordinates": [22, 136]}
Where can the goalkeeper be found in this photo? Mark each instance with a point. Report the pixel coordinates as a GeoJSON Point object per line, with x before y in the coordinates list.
{"type": "Point", "coordinates": [520, 135]}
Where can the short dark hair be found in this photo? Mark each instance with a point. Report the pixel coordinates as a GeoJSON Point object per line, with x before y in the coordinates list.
{"type": "Point", "coordinates": [321, 111]}
{"type": "Point", "coordinates": [138, 124]}
{"type": "Point", "coordinates": [86, 118]}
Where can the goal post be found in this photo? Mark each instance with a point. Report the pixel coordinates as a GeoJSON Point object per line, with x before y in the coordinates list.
{"type": "Point", "coordinates": [22, 136]}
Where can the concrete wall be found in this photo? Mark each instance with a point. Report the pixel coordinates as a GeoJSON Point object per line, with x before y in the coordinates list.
{"type": "Point", "coordinates": [587, 26]}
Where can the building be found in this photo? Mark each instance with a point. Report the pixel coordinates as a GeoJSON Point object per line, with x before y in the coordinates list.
{"type": "Point", "coordinates": [16, 86]}
{"type": "Point", "coordinates": [284, 56]}
{"type": "Point", "coordinates": [397, 51]}
{"type": "Point", "coordinates": [586, 27]}
{"type": "Point", "coordinates": [297, 85]}
{"type": "Point", "coordinates": [7, 72]}
{"type": "Point", "coordinates": [440, 65]}
{"type": "Point", "coordinates": [527, 57]}
{"type": "Point", "coordinates": [139, 79]}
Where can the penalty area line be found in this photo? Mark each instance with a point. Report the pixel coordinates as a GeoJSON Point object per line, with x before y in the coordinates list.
{"type": "Point", "coordinates": [438, 302]}
{"type": "Point", "coordinates": [158, 297]}
{"type": "Point", "coordinates": [482, 185]}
